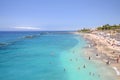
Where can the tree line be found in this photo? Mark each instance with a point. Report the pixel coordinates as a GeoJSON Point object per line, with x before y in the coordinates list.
{"type": "Point", "coordinates": [84, 30]}
{"type": "Point", "coordinates": [109, 27]}
{"type": "Point", "coordinates": [102, 28]}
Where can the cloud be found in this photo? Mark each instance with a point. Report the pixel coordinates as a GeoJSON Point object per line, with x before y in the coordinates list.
{"type": "Point", "coordinates": [27, 28]}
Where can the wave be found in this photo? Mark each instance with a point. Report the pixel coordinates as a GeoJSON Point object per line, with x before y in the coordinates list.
{"type": "Point", "coordinates": [116, 70]}
{"type": "Point", "coordinates": [29, 36]}
{"type": "Point", "coordinates": [3, 44]}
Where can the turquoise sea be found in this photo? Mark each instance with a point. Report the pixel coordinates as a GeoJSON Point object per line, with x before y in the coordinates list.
{"type": "Point", "coordinates": [48, 56]}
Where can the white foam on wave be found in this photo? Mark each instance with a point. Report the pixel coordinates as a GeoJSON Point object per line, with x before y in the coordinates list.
{"type": "Point", "coordinates": [116, 70]}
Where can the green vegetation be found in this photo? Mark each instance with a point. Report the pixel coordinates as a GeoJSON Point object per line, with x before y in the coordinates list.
{"type": "Point", "coordinates": [109, 27]}
{"type": "Point", "coordinates": [84, 30]}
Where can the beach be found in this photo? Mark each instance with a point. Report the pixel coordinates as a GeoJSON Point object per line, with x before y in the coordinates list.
{"type": "Point", "coordinates": [106, 49]}
{"type": "Point", "coordinates": [53, 56]}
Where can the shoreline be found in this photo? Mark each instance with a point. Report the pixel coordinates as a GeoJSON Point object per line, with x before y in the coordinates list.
{"type": "Point", "coordinates": [117, 71]}
{"type": "Point", "coordinates": [106, 52]}
{"type": "Point", "coordinates": [109, 53]}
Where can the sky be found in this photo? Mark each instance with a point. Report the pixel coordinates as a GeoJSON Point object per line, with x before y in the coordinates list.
{"type": "Point", "coordinates": [50, 15]}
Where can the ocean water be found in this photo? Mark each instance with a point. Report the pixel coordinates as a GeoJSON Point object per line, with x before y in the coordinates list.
{"type": "Point", "coordinates": [48, 56]}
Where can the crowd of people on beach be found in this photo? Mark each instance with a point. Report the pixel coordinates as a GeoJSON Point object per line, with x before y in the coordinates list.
{"type": "Point", "coordinates": [104, 40]}
{"type": "Point", "coordinates": [107, 47]}
{"type": "Point", "coordinates": [108, 40]}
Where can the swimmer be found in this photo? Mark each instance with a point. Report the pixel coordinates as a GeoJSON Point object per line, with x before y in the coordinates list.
{"type": "Point", "coordinates": [89, 73]}
{"type": "Point", "coordinates": [84, 66]}
{"type": "Point", "coordinates": [64, 69]}
{"type": "Point", "coordinates": [70, 59]}
{"type": "Point", "coordinates": [50, 63]}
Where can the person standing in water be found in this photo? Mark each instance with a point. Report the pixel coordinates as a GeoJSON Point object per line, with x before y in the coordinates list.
{"type": "Point", "coordinates": [89, 57]}
{"type": "Point", "coordinates": [97, 54]}
{"type": "Point", "coordinates": [108, 62]}
{"type": "Point", "coordinates": [64, 69]}
{"type": "Point", "coordinates": [70, 59]}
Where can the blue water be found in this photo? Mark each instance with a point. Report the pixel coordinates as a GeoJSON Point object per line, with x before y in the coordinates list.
{"type": "Point", "coordinates": [47, 56]}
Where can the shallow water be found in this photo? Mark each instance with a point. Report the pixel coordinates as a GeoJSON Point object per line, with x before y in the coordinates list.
{"type": "Point", "coordinates": [50, 56]}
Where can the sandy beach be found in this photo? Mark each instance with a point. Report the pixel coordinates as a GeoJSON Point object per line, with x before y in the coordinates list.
{"type": "Point", "coordinates": [107, 49]}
